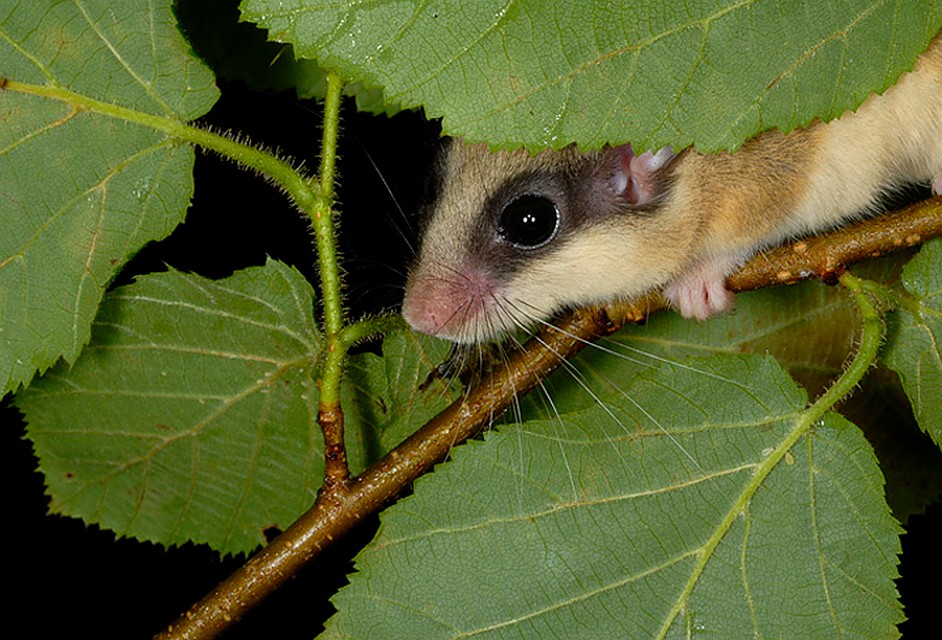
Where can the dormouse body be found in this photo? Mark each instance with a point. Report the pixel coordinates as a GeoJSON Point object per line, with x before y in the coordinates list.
{"type": "Point", "coordinates": [514, 238]}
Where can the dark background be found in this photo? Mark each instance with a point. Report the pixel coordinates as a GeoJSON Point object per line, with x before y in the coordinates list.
{"type": "Point", "coordinates": [68, 578]}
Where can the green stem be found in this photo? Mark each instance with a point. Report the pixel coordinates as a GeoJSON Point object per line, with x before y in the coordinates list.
{"type": "Point", "coordinates": [871, 339]}
{"type": "Point", "coordinates": [887, 296]}
{"type": "Point", "coordinates": [365, 329]}
{"type": "Point", "coordinates": [305, 194]}
{"type": "Point", "coordinates": [322, 218]}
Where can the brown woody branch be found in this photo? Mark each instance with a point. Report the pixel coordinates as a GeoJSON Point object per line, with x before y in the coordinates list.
{"type": "Point", "coordinates": [336, 471]}
{"type": "Point", "coordinates": [342, 505]}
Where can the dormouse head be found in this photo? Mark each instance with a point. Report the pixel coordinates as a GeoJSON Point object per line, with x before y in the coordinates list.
{"type": "Point", "coordinates": [512, 238]}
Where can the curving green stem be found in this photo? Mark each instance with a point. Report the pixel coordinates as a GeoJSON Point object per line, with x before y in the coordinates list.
{"type": "Point", "coordinates": [304, 194]}
{"type": "Point", "coordinates": [369, 328]}
{"type": "Point", "coordinates": [889, 297]}
{"type": "Point", "coordinates": [871, 338]}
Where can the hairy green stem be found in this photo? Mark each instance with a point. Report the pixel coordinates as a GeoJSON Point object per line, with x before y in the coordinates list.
{"type": "Point", "coordinates": [329, 411]}
{"type": "Point", "coordinates": [366, 329]}
{"type": "Point", "coordinates": [322, 218]}
{"type": "Point", "coordinates": [888, 296]}
{"type": "Point", "coordinates": [870, 340]}
{"type": "Point", "coordinates": [304, 194]}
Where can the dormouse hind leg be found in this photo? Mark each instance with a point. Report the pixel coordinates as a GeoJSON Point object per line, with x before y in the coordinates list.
{"type": "Point", "coordinates": [937, 184]}
{"type": "Point", "coordinates": [700, 292]}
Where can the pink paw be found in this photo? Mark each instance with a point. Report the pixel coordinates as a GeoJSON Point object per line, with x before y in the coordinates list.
{"type": "Point", "coordinates": [937, 184]}
{"type": "Point", "coordinates": [701, 292]}
{"type": "Point", "coordinates": [700, 300]}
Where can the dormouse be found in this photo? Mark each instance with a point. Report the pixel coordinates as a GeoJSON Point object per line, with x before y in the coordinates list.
{"type": "Point", "coordinates": [514, 238]}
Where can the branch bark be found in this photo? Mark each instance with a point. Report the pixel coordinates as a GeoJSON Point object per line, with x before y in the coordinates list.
{"type": "Point", "coordinates": [341, 506]}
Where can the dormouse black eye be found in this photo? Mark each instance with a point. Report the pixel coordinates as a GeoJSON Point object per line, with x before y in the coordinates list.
{"type": "Point", "coordinates": [529, 222]}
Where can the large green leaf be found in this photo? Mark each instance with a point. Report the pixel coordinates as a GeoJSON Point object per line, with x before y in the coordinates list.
{"type": "Point", "coordinates": [650, 72]}
{"type": "Point", "coordinates": [192, 414]}
{"type": "Point", "coordinates": [79, 192]}
{"type": "Point", "coordinates": [679, 510]}
{"type": "Point", "coordinates": [913, 341]}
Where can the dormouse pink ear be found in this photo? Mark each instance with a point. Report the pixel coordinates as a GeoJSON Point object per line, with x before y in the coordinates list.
{"type": "Point", "coordinates": [635, 176]}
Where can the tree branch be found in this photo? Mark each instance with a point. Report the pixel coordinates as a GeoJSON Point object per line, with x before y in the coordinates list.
{"type": "Point", "coordinates": [342, 506]}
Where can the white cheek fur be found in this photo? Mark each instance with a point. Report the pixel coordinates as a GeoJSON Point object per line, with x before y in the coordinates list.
{"type": "Point", "coordinates": [597, 266]}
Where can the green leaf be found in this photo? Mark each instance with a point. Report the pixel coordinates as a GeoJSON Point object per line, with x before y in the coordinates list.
{"type": "Point", "coordinates": [677, 511]}
{"type": "Point", "coordinates": [913, 338]}
{"type": "Point", "coordinates": [546, 74]}
{"type": "Point", "coordinates": [388, 398]}
{"type": "Point", "coordinates": [191, 415]}
{"type": "Point", "coordinates": [80, 192]}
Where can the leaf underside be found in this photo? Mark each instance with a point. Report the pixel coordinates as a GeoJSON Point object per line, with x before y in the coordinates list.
{"type": "Point", "coordinates": [546, 74]}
